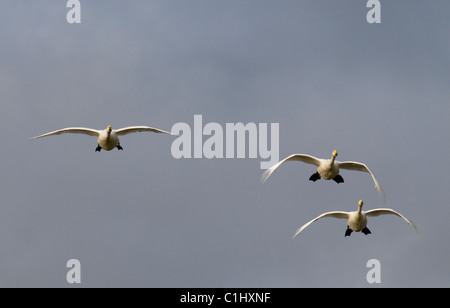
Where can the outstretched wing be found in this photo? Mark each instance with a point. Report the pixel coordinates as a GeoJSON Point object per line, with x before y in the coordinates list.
{"type": "Point", "coordinates": [135, 129]}
{"type": "Point", "coordinates": [336, 214]}
{"type": "Point", "coordinates": [298, 157]}
{"type": "Point", "coordinates": [352, 165]}
{"type": "Point", "coordinates": [377, 212]}
{"type": "Point", "coordinates": [71, 130]}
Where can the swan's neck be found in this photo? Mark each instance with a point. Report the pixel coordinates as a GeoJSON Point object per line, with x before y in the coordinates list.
{"type": "Point", "coordinates": [332, 160]}
{"type": "Point", "coordinates": [359, 210]}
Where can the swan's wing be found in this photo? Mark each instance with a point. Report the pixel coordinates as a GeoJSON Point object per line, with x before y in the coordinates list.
{"type": "Point", "coordinates": [377, 212]}
{"type": "Point", "coordinates": [299, 157]}
{"type": "Point", "coordinates": [72, 130]}
{"type": "Point", "coordinates": [135, 129]}
{"type": "Point", "coordinates": [351, 165]}
{"type": "Point", "coordinates": [336, 214]}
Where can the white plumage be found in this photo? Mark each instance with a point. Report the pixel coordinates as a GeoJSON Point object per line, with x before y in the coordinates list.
{"type": "Point", "coordinates": [108, 138]}
{"type": "Point", "coordinates": [357, 220]}
{"type": "Point", "coordinates": [327, 169]}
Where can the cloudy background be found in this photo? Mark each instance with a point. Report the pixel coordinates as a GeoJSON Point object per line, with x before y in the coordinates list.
{"type": "Point", "coordinates": [378, 93]}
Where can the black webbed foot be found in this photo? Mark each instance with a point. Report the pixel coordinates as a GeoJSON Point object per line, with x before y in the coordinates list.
{"type": "Point", "coordinates": [98, 148]}
{"type": "Point", "coordinates": [315, 177]}
{"type": "Point", "coordinates": [348, 231]}
{"type": "Point", "coordinates": [338, 179]}
{"type": "Point", "coordinates": [366, 231]}
{"type": "Point", "coordinates": [119, 147]}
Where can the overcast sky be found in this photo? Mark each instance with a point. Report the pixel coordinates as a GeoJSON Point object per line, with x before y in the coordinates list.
{"type": "Point", "coordinates": [377, 93]}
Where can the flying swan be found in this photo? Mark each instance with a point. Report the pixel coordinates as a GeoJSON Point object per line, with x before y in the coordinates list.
{"type": "Point", "coordinates": [357, 220]}
{"type": "Point", "coordinates": [327, 169]}
{"type": "Point", "coordinates": [107, 139]}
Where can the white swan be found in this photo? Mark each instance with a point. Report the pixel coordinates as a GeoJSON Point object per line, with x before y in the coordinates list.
{"type": "Point", "coordinates": [356, 221]}
{"type": "Point", "coordinates": [327, 169]}
{"type": "Point", "coordinates": [107, 139]}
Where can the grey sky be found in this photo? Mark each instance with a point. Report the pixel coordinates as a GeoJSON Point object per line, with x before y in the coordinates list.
{"type": "Point", "coordinates": [140, 218]}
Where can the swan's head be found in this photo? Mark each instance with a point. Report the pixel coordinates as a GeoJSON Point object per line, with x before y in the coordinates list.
{"type": "Point", "coordinates": [109, 129]}
{"type": "Point", "coordinates": [335, 153]}
{"type": "Point", "coordinates": [360, 204]}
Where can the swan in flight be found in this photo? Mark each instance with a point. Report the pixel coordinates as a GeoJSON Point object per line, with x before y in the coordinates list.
{"type": "Point", "coordinates": [357, 220]}
{"type": "Point", "coordinates": [107, 139]}
{"type": "Point", "coordinates": [327, 169]}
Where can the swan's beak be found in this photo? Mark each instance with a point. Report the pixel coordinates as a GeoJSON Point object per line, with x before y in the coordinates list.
{"type": "Point", "coordinates": [109, 129]}
{"type": "Point", "coordinates": [361, 203]}
{"type": "Point", "coordinates": [335, 153]}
